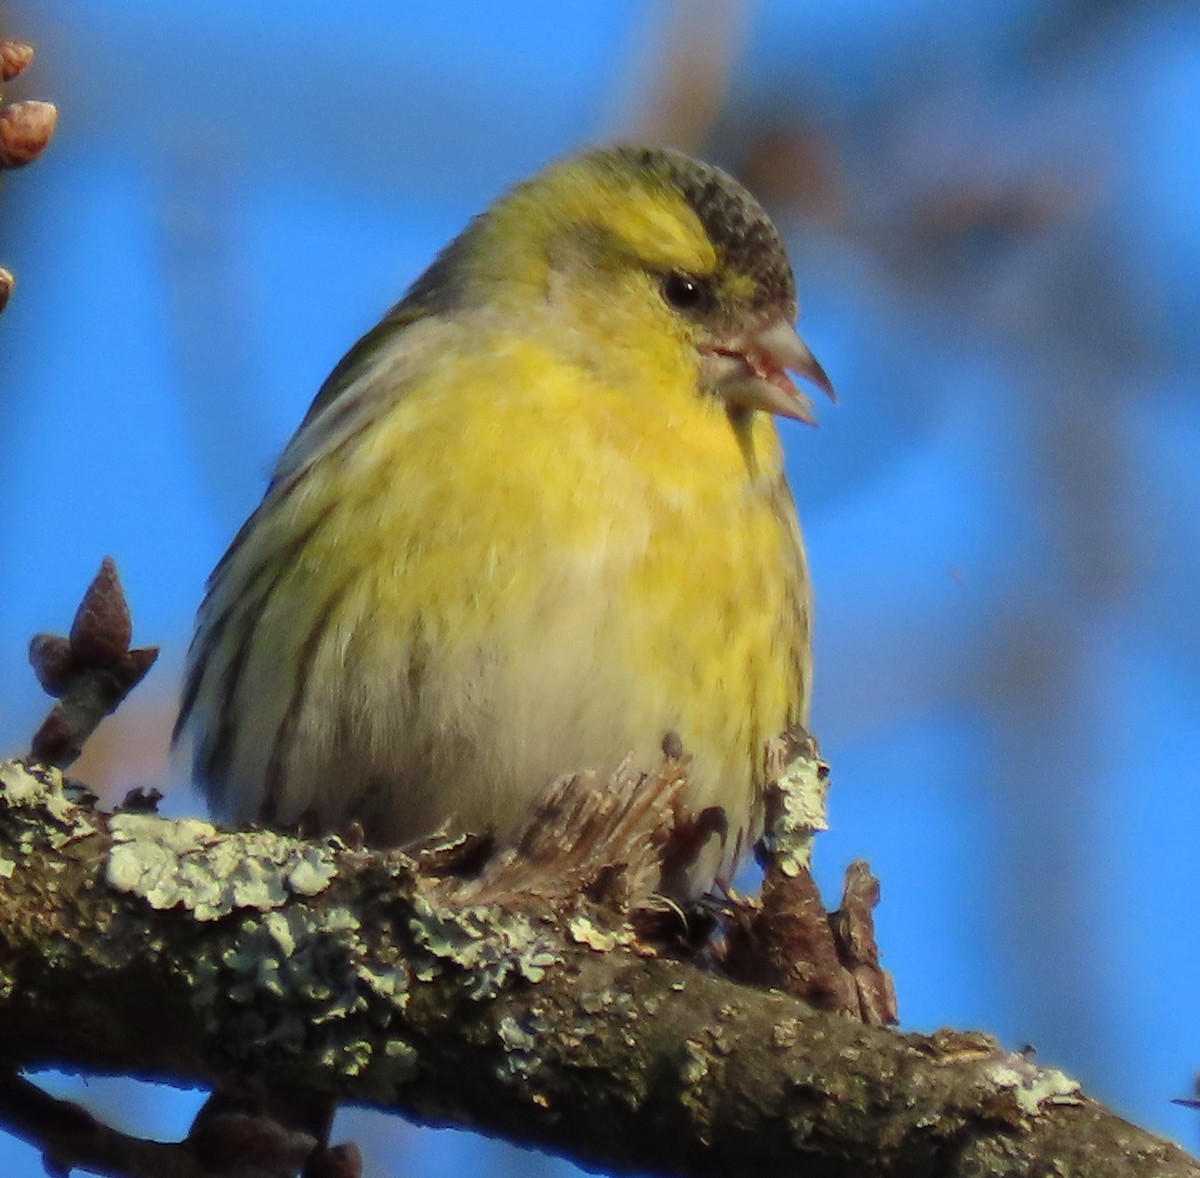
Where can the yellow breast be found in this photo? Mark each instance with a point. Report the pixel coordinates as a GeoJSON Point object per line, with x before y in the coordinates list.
{"type": "Point", "coordinates": [514, 570]}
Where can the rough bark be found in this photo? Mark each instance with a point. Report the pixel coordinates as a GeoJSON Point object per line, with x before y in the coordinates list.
{"type": "Point", "coordinates": [265, 964]}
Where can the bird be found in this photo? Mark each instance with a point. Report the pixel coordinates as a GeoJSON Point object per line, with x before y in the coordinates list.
{"type": "Point", "coordinates": [536, 521]}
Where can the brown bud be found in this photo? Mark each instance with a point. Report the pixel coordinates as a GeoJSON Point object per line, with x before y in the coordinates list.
{"type": "Point", "coordinates": [135, 665]}
{"type": "Point", "coordinates": [50, 657]}
{"type": "Point", "coordinates": [14, 59]}
{"type": "Point", "coordinates": [25, 129]}
{"type": "Point", "coordinates": [102, 627]}
{"type": "Point", "coordinates": [7, 282]}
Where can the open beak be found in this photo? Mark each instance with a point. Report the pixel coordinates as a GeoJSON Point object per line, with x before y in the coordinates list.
{"type": "Point", "coordinates": [753, 374]}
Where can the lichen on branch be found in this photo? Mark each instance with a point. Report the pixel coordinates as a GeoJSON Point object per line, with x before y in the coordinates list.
{"type": "Point", "coordinates": [352, 973]}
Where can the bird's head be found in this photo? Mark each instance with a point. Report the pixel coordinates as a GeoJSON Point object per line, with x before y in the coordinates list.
{"type": "Point", "coordinates": [648, 257]}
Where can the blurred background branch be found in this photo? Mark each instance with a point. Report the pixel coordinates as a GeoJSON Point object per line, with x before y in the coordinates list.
{"type": "Point", "coordinates": [26, 129]}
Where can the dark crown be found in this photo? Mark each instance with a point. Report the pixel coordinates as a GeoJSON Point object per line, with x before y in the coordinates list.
{"type": "Point", "coordinates": [744, 236]}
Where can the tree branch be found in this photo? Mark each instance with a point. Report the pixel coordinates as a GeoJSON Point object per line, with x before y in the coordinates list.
{"type": "Point", "coordinates": [268, 965]}
{"type": "Point", "coordinates": [71, 1137]}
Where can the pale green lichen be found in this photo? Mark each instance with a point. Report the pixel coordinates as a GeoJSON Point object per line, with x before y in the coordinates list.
{"type": "Point", "coordinates": [293, 977]}
{"type": "Point", "coordinates": [514, 1036]}
{"type": "Point", "coordinates": [695, 1063]}
{"type": "Point", "coordinates": [402, 1058]}
{"type": "Point", "coordinates": [192, 864]}
{"type": "Point", "coordinates": [43, 788]}
{"type": "Point", "coordinates": [1033, 1087]}
{"type": "Point", "coordinates": [521, 1040]}
{"type": "Point", "coordinates": [21, 786]}
{"type": "Point", "coordinates": [289, 976]}
{"type": "Point", "coordinates": [390, 984]}
{"type": "Point", "coordinates": [803, 783]}
{"type": "Point", "coordinates": [487, 945]}
{"type": "Point", "coordinates": [286, 953]}
{"type": "Point", "coordinates": [585, 931]}
{"type": "Point", "coordinates": [351, 1059]}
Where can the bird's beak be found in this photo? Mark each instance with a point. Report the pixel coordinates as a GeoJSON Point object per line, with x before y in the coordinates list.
{"type": "Point", "coordinates": [753, 372]}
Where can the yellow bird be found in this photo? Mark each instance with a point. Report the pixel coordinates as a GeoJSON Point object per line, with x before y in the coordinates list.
{"type": "Point", "coordinates": [535, 520]}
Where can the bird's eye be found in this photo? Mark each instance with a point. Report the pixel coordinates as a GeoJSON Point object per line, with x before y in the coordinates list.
{"type": "Point", "coordinates": [684, 292]}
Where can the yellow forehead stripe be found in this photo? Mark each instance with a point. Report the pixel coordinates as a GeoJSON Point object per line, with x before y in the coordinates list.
{"type": "Point", "coordinates": [655, 223]}
{"type": "Point", "coordinates": [661, 230]}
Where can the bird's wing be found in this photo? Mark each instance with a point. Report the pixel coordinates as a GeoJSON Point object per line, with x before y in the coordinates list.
{"type": "Point", "coordinates": [240, 583]}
